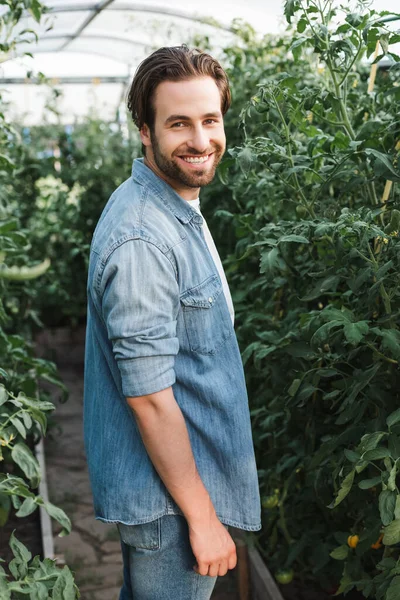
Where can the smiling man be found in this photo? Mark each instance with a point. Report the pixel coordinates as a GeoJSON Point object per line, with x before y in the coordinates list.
{"type": "Point", "coordinates": [166, 417]}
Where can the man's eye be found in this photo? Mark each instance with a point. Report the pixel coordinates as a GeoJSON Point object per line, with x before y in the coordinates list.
{"type": "Point", "coordinates": [211, 121]}
{"type": "Point", "coordinates": [177, 125]}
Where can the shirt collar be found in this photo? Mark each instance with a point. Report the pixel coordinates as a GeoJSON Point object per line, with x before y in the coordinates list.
{"type": "Point", "coordinates": [177, 205]}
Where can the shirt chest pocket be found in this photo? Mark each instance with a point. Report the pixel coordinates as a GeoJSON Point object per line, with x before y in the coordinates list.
{"type": "Point", "coordinates": [206, 316]}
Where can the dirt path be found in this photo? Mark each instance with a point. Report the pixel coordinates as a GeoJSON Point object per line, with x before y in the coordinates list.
{"type": "Point", "coordinates": [92, 550]}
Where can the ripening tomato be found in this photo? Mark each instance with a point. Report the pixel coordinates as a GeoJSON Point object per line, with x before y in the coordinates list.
{"type": "Point", "coordinates": [353, 540]}
{"type": "Point", "coordinates": [284, 577]}
{"type": "Point", "coordinates": [269, 502]}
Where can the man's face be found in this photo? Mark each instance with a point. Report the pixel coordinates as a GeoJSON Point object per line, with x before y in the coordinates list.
{"type": "Point", "coordinates": [188, 140]}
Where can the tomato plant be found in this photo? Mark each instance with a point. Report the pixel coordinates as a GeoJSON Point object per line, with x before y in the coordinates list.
{"type": "Point", "coordinates": [313, 203]}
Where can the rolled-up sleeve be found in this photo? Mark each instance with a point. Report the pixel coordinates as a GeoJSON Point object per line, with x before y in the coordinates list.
{"type": "Point", "coordinates": [140, 303]}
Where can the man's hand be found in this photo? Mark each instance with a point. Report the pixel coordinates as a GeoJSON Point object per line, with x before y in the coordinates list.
{"type": "Point", "coordinates": [213, 547]}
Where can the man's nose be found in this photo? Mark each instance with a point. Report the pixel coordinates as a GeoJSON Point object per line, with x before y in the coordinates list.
{"type": "Point", "coordinates": [199, 140]}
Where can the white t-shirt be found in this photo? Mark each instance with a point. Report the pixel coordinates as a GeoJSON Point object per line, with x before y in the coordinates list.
{"type": "Point", "coordinates": [214, 253]}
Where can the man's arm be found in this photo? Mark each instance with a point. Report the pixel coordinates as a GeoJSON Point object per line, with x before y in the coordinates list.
{"type": "Point", "coordinates": [165, 436]}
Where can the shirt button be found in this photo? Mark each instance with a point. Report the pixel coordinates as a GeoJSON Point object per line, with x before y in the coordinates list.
{"type": "Point", "coordinates": [210, 300]}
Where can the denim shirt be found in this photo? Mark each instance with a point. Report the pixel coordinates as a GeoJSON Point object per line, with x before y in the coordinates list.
{"type": "Point", "coordinates": [157, 317]}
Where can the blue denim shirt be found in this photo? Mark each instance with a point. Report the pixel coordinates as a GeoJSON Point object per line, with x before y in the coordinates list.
{"type": "Point", "coordinates": [157, 317]}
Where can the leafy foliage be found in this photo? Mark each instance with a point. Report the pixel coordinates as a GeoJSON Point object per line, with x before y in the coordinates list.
{"type": "Point", "coordinates": [313, 203]}
{"type": "Point", "coordinates": [24, 405]}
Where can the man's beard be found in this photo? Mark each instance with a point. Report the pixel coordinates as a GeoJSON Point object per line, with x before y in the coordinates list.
{"type": "Point", "coordinates": [173, 171]}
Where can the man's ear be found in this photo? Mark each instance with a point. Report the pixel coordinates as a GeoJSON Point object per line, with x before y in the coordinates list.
{"type": "Point", "coordinates": [145, 135]}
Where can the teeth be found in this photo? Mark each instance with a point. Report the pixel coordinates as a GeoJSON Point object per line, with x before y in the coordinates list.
{"type": "Point", "coordinates": [199, 159]}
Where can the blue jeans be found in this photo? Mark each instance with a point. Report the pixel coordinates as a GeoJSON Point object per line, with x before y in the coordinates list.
{"type": "Point", "coordinates": [158, 562]}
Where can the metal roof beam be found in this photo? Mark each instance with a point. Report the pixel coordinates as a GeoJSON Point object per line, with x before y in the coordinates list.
{"type": "Point", "coordinates": [96, 9]}
{"type": "Point", "coordinates": [66, 80]}
{"type": "Point", "coordinates": [70, 38]}
{"type": "Point", "coordinates": [135, 7]}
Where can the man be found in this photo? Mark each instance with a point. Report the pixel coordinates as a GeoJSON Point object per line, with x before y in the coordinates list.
{"type": "Point", "coordinates": [166, 418]}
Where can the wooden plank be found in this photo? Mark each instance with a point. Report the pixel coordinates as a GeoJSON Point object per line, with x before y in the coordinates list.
{"type": "Point", "coordinates": [263, 585]}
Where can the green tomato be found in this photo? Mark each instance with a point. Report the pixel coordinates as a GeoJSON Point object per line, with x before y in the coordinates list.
{"type": "Point", "coordinates": [284, 577]}
{"type": "Point", "coordinates": [270, 501]}
{"type": "Point", "coordinates": [301, 211]}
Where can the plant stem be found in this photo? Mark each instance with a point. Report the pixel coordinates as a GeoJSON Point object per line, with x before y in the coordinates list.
{"type": "Point", "coordinates": [342, 106]}
{"type": "Point", "coordinates": [289, 148]}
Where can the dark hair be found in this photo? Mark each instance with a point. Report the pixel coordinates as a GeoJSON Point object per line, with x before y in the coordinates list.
{"type": "Point", "coordinates": [175, 63]}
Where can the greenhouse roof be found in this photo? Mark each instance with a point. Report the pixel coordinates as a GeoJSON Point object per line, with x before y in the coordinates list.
{"type": "Point", "coordinates": [82, 43]}
{"type": "Point", "coordinates": [124, 30]}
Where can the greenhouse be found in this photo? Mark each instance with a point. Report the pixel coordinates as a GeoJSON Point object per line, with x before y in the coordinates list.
{"type": "Point", "coordinates": [199, 305]}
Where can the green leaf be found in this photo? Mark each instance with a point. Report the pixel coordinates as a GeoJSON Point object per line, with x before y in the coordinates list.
{"type": "Point", "coordinates": [27, 420]}
{"type": "Point", "coordinates": [294, 387]}
{"type": "Point", "coordinates": [340, 553]}
{"type": "Point", "coordinates": [329, 283]}
{"type": "Point", "coordinates": [271, 261]}
{"type": "Point", "coordinates": [392, 478]}
{"type": "Point", "coordinates": [301, 25]}
{"type": "Point", "coordinates": [20, 551]}
{"type": "Point", "coordinates": [245, 159]}
{"type": "Point", "coordinates": [297, 239]}
{"type": "Point", "coordinates": [393, 418]}
{"type": "Point", "coordinates": [20, 588]}
{"type": "Point", "coordinates": [27, 507]}
{"type": "Point", "coordinates": [393, 592]}
{"type": "Point", "coordinates": [384, 269]}
{"type": "Point", "coordinates": [376, 454]}
{"type": "Point", "coordinates": [321, 335]}
{"type": "Point", "coordinates": [3, 395]}
{"type": "Point", "coordinates": [369, 441]}
{"type": "Point", "coordinates": [64, 586]}
{"type": "Point", "coordinates": [24, 458]}
{"type": "Point", "coordinates": [344, 489]}
{"type": "Point", "coordinates": [18, 426]}
{"type": "Point", "coordinates": [392, 533]}
{"type": "Point", "coordinates": [391, 341]}
{"type": "Point", "coordinates": [291, 6]}
{"type": "Point", "coordinates": [354, 332]}
{"type": "Point", "coordinates": [41, 591]}
{"type": "Point", "coordinates": [5, 593]}
{"type": "Point", "coordinates": [397, 508]}
{"type": "Point", "coordinates": [384, 159]}
{"type": "Point", "coordinates": [36, 10]}
{"type": "Point", "coordinates": [59, 515]}
{"type": "Point", "coordinates": [387, 503]}
{"type": "Point", "coordinates": [365, 484]}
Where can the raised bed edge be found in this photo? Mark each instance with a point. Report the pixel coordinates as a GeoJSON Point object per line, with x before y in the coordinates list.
{"type": "Point", "coordinates": [263, 586]}
{"type": "Point", "coordinates": [45, 521]}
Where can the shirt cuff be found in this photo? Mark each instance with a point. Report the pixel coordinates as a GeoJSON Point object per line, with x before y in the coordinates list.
{"type": "Point", "coordinates": [146, 375]}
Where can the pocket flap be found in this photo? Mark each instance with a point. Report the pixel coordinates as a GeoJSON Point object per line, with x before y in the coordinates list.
{"type": "Point", "coordinates": [203, 295]}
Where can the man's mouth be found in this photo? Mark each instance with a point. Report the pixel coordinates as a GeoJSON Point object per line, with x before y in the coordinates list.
{"type": "Point", "coordinates": [196, 160]}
